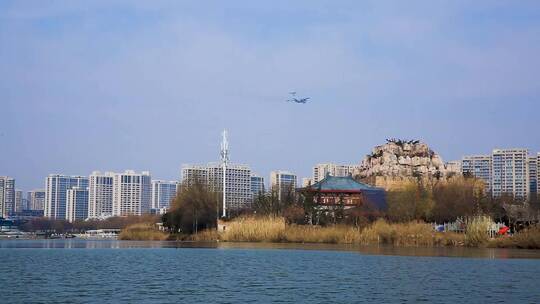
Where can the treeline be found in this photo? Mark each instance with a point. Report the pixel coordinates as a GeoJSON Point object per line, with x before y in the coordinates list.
{"type": "Point", "coordinates": [428, 200]}
{"type": "Point", "coordinates": [445, 201]}
{"type": "Point", "coordinates": [304, 208]}
{"type": "Point", "coordinates": [62, 226]}
{"type": "Point", "coordinates": [197, 208]}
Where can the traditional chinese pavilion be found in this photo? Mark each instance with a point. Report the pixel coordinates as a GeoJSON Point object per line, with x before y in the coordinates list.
{"type": "Point", "coordinates": [346, 191]}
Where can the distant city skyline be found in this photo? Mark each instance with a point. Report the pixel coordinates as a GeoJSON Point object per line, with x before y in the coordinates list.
{"type": "Point", "coordinates": [311, 176]}
{"type": "Point", "coordinates": [88, 86]}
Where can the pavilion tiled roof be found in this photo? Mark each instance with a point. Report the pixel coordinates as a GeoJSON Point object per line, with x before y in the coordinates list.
{"type": "Point", "coordinates": [346, 183]}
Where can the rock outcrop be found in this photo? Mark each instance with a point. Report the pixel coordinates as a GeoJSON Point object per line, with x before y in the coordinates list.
{"type": "Point", "coordinates": [403, 159]}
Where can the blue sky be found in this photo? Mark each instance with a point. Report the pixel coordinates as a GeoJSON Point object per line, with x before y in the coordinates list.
{"type": "Point", "coordinates": [149, 85]}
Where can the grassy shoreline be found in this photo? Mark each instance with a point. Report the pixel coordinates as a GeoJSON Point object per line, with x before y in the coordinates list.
{"type": "Point", "coordinates": [270, 229]}
{"type": "Point", "coordinates": [142, 232]}
{"type": "Point", "coordinates": [275, 230]}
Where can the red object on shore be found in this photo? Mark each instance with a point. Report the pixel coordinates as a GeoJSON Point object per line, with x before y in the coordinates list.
{"type": "Point", "coordinates": [503, 230]}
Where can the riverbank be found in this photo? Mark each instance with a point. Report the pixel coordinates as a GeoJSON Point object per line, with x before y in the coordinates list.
{"type": "Point", "coordinates": [270, 229]}
{"type": "Point", "coordinates": [381, 232]}
{"type": "Point", "coordinates": [526, 239]}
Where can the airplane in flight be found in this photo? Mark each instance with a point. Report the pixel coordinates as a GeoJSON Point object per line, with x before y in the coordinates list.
{"type": "Point", "coordinates": [297, 100]}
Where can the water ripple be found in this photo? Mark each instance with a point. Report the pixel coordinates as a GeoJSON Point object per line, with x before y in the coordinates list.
{"type": "Point", "coordinates": [239, 275]}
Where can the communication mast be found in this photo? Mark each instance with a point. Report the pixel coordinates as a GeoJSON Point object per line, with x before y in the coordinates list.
{"type": "Point", "coordinates": [224, 163]}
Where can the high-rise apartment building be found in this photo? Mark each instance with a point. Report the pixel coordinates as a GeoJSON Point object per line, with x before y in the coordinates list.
{"type": "Point", "coordinates": [163, 193]}
{"type": "Point", "coordinates": [26, 202]}
{"type": "Point", "coordinates": [505, 172]}
{"type": "Point", "coordinates": [238, 182]}
{"type": "Point", "coordinates": [510, 173]}
{"type": "Point", "coordinates": [132, 193]}
{"type": "Point", "coordinates": [478, 166]}
{"type": "Point", "coordinates": [56, 193]}
{"type": "Point", "coordinates": [100, 194]}
{"type": "Point", "coordinates": [7, 195]}
{"type": "Point", "coordinates": [257, 185]}
{"type": "Point", "coordinates": [533, 175]}
{"type": "Point", "coordinates": [36, 199]}
{"type": "Point", "coordinates": [283, 183]}
{"type": "Point", "coordinates": [307, 181]}
{"type": "Point", "coordinates": [76, 204]}
{"type": "Point", "coordinates": [453, 167]}
{"type": "Point", "coordinates": [321, 170]}
{"type": "Point", "coordinates": [538, 174]}
{"type": "Point", "coordinates": [192, 174]}
{"type": "Point", "coordinates": [18, 207]}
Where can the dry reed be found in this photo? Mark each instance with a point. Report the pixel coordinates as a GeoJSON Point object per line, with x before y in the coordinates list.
{"type": "Point", "coordinates": [314, 234]}
{"type": "Point", "coordinates": [208, 235]}
{"type": "Point", "coordinates": [142, 232]}
{"type": "Point", "coordinates": [274, 229]}
{"type": "Point", "coordinates": [407, 234]}
{"type": "Point", "coordinates": [255, 229]}
{"type": "Point", "coordinates": [270, 229]}
{"type": "Point", "coordinates": [476, 233]}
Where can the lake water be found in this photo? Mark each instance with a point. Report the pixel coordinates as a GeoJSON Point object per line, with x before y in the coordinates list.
{"type": "Point", "coordinates": [78, 271]}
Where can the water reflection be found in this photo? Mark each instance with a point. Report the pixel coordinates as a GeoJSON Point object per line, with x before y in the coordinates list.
{"type": "Point", "coordinates": [463, 252]}
{"type": "Point", "coordinates": [84, 244]}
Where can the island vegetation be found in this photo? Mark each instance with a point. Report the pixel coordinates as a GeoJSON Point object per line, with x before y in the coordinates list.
{"type": "Point", "coordinates": [407, 221]}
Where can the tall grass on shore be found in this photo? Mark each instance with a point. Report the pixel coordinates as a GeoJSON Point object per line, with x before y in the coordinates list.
{"type": "Point", "coordinates": [407, 234]}
{"type": "Point", "coordinates": [476, 232]}
{"type": "Point", "coordinates": [330, 235]}
{"type": "Point", "coordinates": [274, 229]}
{"type": "Point", "coordinates": [255, 229]}
{"type": "Point", "coordinates": [142, 232]}
{"type": "Point", "coordinates": [208, 235]}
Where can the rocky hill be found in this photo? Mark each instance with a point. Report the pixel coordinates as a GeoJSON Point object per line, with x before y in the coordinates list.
{"type": "Point", "coordinates": [403, 159]}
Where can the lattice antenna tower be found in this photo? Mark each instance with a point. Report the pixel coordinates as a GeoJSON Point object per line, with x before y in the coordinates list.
{"type": "Point", "coordinates": [224, 163]}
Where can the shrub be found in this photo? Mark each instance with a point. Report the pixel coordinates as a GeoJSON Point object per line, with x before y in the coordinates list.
{"type": "Point", "coordinates": [294, 215]}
